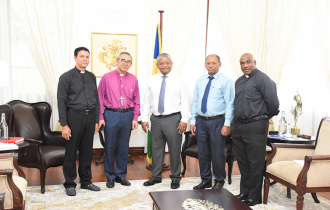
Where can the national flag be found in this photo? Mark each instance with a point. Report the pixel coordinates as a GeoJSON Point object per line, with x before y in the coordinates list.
{"type": "Point", "coordinates": [157, 50]}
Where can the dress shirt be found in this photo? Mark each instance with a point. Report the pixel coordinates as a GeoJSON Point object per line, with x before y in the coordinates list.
{"type": "Point", "coordinates": [77, 91]}
{"type": "Point", "coordinates": [255, 95]}
{"type": "Point", "coordinates": [176, 97]}
{"type": "Point", "coordinates": [220, 99]}
{"type": "Point", "coordinates": [112, 87]}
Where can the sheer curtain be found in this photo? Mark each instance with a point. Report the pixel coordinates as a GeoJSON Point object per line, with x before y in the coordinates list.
{"type": "Point", "coordinates": [265, 28]}
{"type": "Point", "coordinates": [48, 27]}
{"type": "Point", "coordinates": [20, 77]}
{"type": "Point", "coordinates": [323, 20]}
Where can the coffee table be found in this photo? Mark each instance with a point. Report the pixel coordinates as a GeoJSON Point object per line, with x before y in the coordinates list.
{"type": "Point", "coordinates": [170, 200]}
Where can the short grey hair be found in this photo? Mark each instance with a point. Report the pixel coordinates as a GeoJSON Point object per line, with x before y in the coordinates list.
{"type": "Point", "coordinates": [218, 57]}
{"type": "Point", "coordinates": [164, 55]}
{"type": "Point", "coordinates": [125, 53]}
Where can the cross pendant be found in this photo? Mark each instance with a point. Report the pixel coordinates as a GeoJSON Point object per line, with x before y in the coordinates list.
{"type": "Point", "coordinates": [121, 99]}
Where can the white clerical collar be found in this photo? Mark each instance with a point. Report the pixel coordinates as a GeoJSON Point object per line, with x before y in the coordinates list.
{"type": "Point", "coordinates": [247, 76]}
{"type": "Point", "coordinates": [121, 75]}
{"type": "Point", "coordinates": [83, 72]}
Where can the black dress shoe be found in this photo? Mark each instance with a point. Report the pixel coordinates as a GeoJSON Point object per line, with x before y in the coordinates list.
{"type": "Point", "coordinates": [152, 181]}
{"type": "Point", "coordinates": [70, 191]}
{"type": "Point", "coordinates": [175, 184]}
{"type": "Point", "coordinates": [242, 196]}
{"type": "Point", "coordinates": [122, 181]}
{"type": "Point", "coordinates": [91, 187]}
{"type": "Point", "coordinates": [110, 183]}
{"type": "Point", "coordinates": [218, 185]}
{"type": "Point", "coordinates": [251, 202]}
{"type": "Point", "coordinates": [203, 185]}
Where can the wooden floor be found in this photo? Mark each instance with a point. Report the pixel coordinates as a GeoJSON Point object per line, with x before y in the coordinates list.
{"type": "Point", "coordinates": [135, 171]}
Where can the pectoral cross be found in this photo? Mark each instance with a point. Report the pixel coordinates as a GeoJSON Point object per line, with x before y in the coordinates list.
{"type": "Point", "coordinates": [121, 99]}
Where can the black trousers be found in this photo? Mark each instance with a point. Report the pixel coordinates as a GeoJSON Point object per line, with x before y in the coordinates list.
{"type": "Point", "coordinates": [250, 147]}
{"type": "Point", "coordinates": [82, 127]}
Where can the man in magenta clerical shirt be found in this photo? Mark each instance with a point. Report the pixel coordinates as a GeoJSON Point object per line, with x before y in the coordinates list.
{"type": "Point", "coordinates": [119, 99]}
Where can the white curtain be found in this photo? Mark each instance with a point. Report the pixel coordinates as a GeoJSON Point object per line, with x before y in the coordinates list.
{"type": "Point", "coordinates": [323, 23]}
{"type": "Point", "coordinates": [48, 27]}
{"type": "Point", "coordinates": [265, 28]}
{"type": "Point", "coordinates": [20, 77]}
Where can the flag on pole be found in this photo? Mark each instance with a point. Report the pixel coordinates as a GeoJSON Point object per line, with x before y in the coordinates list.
{"type": "Point", "coordinates": [157, 50]}
{"type": "Point", "coordinates": [155, 70]}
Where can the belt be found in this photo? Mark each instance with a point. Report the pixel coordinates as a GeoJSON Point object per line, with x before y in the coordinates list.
{"type": "Point", "coordinates": [85, 111]}
{"type": "Point", "coordinates": [119, 110]}
{"type": "Point", "coordinates": [167, 115]}
{"type": "Point", "coordinates": [246, 121]}
{"type": "Point", "coordinates": [212, 117]}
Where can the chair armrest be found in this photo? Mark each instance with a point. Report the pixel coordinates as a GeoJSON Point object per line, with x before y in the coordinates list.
{"type": "Point", "coordinates": [54, 138]}
{"type": "Point", "coordinates": [33, 141]}
{"type": "Point", "coordinates": [283, 152]}
{"type": "Point", "coordinates": [17, 194]}
{"type": "Point", "coordinates": [313, 165]}
{"type": "Point", "coordinates": [190, 140]}
{"type": "Point", "coordinates": [32, 154]}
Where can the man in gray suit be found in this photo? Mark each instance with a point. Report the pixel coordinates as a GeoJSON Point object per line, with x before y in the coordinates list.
{"type": "Point", "coordinates": [168, 101]}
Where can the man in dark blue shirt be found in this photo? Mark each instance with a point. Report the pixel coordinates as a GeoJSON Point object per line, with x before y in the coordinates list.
{"type": "Point", "coordinates": [256, 102]}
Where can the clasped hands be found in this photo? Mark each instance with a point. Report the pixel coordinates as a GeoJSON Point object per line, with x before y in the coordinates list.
{"type": "Point", "coordinates": [225, 131]}
{"type": "Point", "coordinates": [181, 128]}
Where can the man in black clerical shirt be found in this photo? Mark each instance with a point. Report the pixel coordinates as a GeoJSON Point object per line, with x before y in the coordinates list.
{"type": "Point", "coordinates": [255, 103]}
{"type": "Point", "coordinates": [78, 107]}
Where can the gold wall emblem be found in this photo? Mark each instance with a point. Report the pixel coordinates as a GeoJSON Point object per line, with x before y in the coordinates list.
{"type": "Point", "coordinates": [110, 52]}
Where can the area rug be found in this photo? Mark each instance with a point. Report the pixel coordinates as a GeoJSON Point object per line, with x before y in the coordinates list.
{"type": "Point", "coordinates": [137, 196]}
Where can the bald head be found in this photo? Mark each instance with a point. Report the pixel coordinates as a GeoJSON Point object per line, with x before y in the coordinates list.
{"type": "Point", "coordinates": [248, 64]}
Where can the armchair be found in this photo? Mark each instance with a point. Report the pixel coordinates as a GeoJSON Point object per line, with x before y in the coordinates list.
{"type": "Point", "coordinates": [12, 182]}
{"type": "Point", "coordinates": [190, 148]}
{"type": "Point", "coordinates": [312, 176]}
{"type": "Point", "coordinates": [46, 148]}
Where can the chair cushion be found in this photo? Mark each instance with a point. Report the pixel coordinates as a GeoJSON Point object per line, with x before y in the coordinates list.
{"type": "Point", "coordinates": [317, 176]}
{"type": "Point", "coordinates": [286, 170]}
{"type": "Point", "coordinates": [53, 155]}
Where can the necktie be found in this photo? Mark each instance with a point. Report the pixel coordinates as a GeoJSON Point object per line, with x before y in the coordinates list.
{"type": "Point", "coordinates": [162, 96]}
{"type": "Point", "coordinates": [206, 93]}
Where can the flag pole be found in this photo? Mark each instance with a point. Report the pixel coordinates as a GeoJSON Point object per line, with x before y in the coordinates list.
{"type": "Point", "coordinates": [165, 166]}
{"type": "Point", "coordinates": [161, 25]}
{"type": "Point", "coordinates": [207, 24]}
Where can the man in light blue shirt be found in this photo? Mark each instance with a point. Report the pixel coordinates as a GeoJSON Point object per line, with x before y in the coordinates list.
{"type": "Point", "coordinates": [211, 113]}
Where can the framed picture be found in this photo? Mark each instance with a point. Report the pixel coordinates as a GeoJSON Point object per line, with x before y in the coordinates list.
{"type": "Point", "coordinates": [106, 47]}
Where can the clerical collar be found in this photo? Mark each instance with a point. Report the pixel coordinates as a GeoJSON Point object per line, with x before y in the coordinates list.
{"type": "Point", "coordinates": [247, 76]}
{"type": "Point", "coordinates": [121, 75]}
{"type": "Point", "coordinates": [83, 72]}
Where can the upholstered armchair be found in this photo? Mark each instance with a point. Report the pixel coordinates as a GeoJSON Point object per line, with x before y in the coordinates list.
{"type": "Point", "coordinates": [12, 182]}
{"type": "Point", "coordinates": [190, 148]}
{"type": "Point", "coordinates": [46, 148]}
{"type": "Point", "coordinates": [311, 177]}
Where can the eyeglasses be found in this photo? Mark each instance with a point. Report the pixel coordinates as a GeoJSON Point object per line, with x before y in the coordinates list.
{"type": "Point", "coordinates": [123, 61]}
{"type": "Point", "coordinates": [209, 63]}
{"type": "Point", "coordinates": [163, 64]}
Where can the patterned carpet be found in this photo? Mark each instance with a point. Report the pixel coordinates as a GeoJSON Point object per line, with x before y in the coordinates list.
{"type": "Point", "coordinates": [136, 196]}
